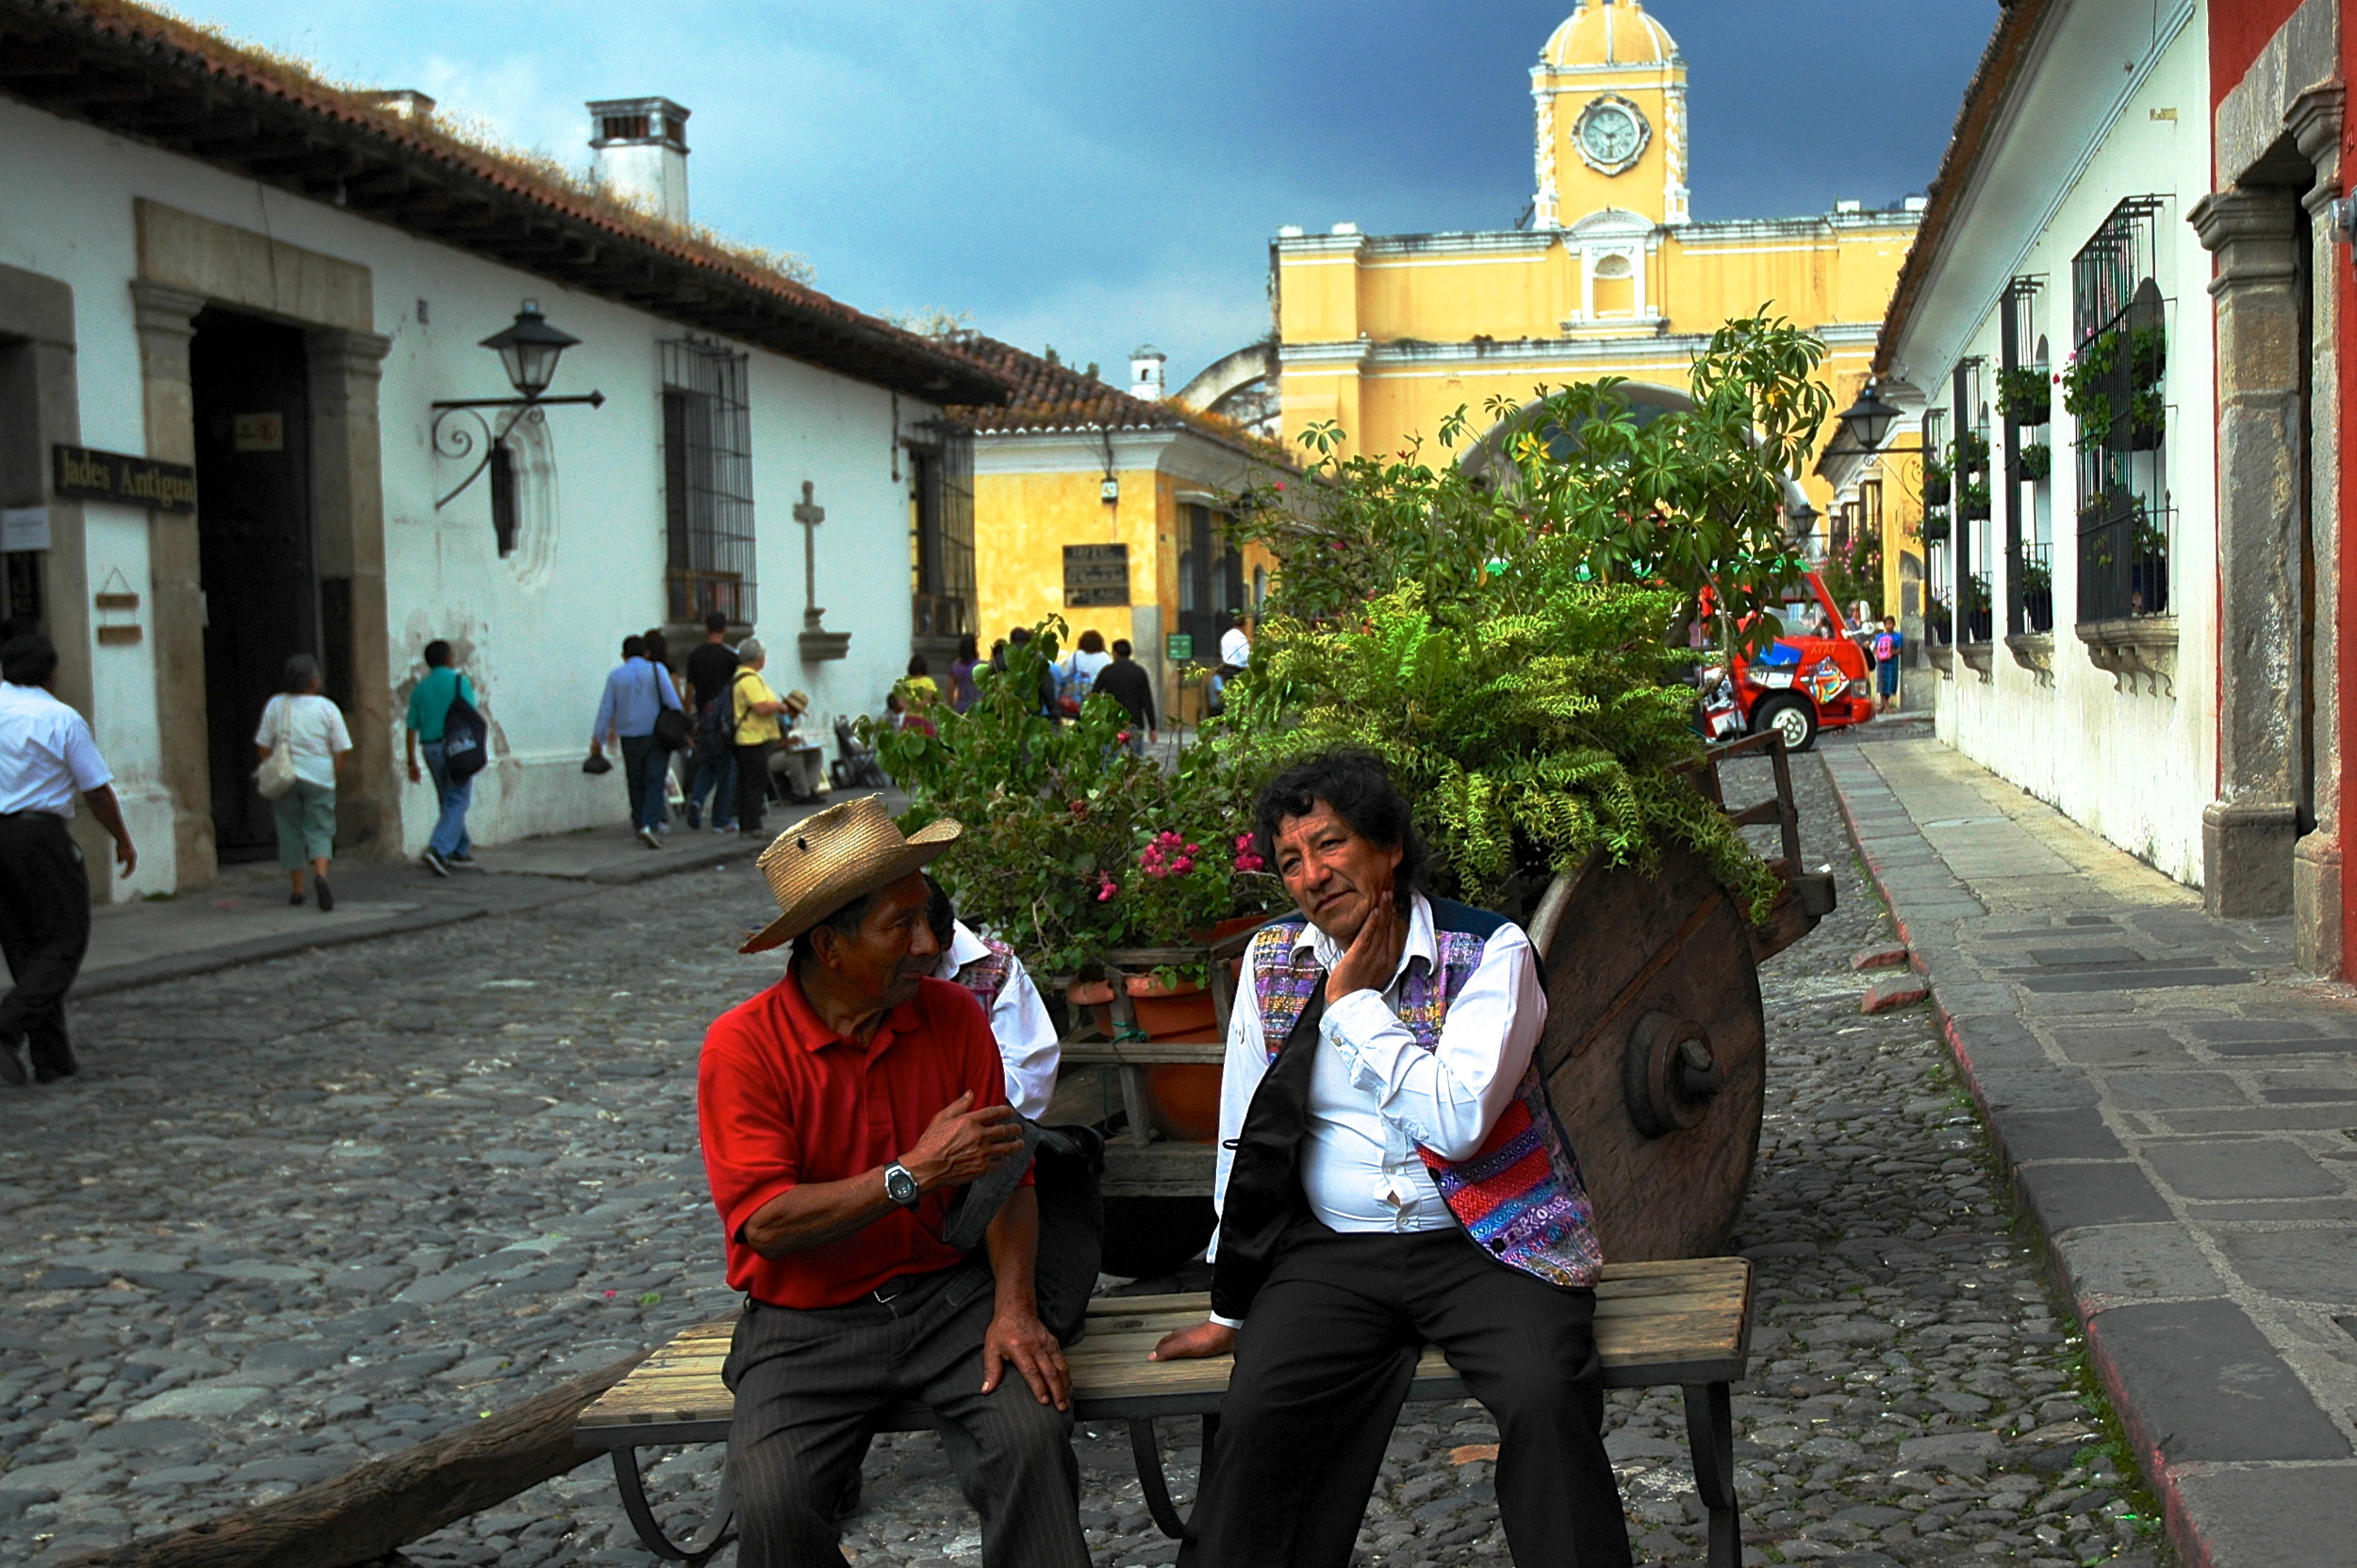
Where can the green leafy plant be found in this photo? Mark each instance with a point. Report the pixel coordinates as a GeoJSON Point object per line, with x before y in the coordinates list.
{"type": "Point", "coordinates": [2037, 462]}
{"type": "Point", "coordinates": [1528, 740]}
{"type": "Point", "coordinates": [1936, 527]}
{"type": "Point", "coordinates": [2148, 419]}
{"type": "Point", "coordinates": [2025, 394]}
{"type": "Point", "coordinates": [1938, 477]}
{"type": "Point", "coordinates": [2038, 575]}
{"type": "Point", "coordinates": [1976, 498]}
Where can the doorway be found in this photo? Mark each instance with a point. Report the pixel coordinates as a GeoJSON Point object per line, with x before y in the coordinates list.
{"type": "Point", "coordinates": [250, 383]}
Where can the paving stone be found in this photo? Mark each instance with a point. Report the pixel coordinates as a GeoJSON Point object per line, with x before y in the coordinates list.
{"type": "Point", "coordinates": [2312, 1263]}
{"type": "Point", "coordinates": [2078, 1134]}
{"type": "Point", "coordinates": [2308, 1517]}
{"type": "Point", "coordinates": [2065, 1195]}
{"type": "Point", "coordinates": [2243, 1167]}
{"type": "Point", "coordinates": [2112, 1264]}
{"type": "Point", "coordinates": [2206, 1385]}
{"type": "Point", "coordinates": [1903, 990]}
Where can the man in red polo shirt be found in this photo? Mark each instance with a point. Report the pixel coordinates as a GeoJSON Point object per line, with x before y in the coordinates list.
{"type": "Point", "coordinates": [842, 1110]}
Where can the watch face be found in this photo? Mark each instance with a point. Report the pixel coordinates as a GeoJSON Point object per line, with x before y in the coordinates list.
{"type": "Point", "coordinates": [899, 1185]}
{"type": "Point", "coordinates": [1612, 134]}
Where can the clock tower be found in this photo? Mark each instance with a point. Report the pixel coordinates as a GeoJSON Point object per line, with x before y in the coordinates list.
{"type": "Point", "coordinates": [1610, 92]}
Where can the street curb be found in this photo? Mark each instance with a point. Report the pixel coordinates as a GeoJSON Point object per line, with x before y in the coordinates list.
{"type": "Point", "coordinates": [2184, 1526]}
{"type": "Point", "coordinates": [128, 977]}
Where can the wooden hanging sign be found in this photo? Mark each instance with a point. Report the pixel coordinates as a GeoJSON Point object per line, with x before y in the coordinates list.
{"type": "Point", "coordinates": [83, 474]}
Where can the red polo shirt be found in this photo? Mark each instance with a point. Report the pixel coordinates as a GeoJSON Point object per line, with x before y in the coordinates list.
{"type": "Point", "coordinates": [781, 1099]}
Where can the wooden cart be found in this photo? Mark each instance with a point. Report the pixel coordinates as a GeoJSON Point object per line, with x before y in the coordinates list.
{"type": "Point", "coordinates": [1655, 1048]}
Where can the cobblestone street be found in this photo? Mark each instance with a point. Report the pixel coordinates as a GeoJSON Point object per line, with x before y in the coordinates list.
{"type": "Point", "coordinates": [301, 1213]}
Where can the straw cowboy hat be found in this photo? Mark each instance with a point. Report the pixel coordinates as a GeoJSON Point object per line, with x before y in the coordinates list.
{"type": "Point", "coordinates": [797, 702]}
{"type": "Point", "coordinates": [843, 854]}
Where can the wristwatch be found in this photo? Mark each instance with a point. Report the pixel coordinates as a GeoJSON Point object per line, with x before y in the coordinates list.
{"type": "Point", "coordinates": [899, 1185]}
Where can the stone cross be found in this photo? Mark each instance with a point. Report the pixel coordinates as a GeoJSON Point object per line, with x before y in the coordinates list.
{"type": "Point", "coordinates": [809, 515]}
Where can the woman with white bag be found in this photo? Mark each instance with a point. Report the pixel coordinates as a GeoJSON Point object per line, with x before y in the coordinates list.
{"type": "Point", "coordinates": [304, 742]}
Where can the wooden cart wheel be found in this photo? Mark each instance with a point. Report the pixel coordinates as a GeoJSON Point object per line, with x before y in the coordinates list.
{"type": "Point", "coordinates": [1655, 1053]}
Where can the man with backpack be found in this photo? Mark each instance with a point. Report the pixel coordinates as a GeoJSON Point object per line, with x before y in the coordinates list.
{"type": "Point", "coordinates": [711, 670]}
{"type": "Point", "coordinates": [430, 703]}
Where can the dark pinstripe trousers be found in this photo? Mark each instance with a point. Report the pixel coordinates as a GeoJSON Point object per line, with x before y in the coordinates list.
{"type": "Point", "coordinates": [811, 1385]}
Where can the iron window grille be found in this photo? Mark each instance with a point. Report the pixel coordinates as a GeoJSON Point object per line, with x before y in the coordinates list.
{"type": "Point", "coordinates": [1939, 527]}
{"type": "Point", "coordinates": [1211, 580]}
{"type": "Point", "coordinates": [2119, 324]}
{"type": "Point", "coordinates": [941, 528]}
{"type": "Point", "coordinates": [1968, 461]}
{"type": "Point", "coordinates": [2026, 403]}
{"type": "Point", "coordinates": [707, 482]}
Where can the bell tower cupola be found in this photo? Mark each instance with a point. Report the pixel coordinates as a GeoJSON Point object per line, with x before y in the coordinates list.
{"type": "Point", "coordinates": [1610, 92]}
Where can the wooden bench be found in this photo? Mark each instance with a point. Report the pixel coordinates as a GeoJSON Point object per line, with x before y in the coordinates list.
{"type": "Point", "coordinates": [1686, 1323]}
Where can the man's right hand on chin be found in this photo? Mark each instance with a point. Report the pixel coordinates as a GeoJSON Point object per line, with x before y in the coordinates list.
{"type": "Point", "coordinates": [1187, 1345]}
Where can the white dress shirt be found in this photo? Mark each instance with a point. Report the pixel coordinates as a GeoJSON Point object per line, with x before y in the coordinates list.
{"type": "Point", "coordinates": [1019, 1021]}
{"type": "Point", "coordinates": [47, 755]}
{"type": "Point", "coordinates": [1374, 1094]}
{"type": "Point", "coordinates": [1235, 647]}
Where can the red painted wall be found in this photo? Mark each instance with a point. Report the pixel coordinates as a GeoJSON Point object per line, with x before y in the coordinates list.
{"type": "Point", "coordinates": [2238, 31]}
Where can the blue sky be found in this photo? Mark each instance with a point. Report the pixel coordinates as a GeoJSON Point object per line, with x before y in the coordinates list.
{"type": "Point", "coordinates": [1097, 175]}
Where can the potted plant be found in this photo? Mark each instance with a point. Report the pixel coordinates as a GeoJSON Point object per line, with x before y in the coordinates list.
{"type": "Point", "coordinates": [1976, 499]}
{"type": "Point", "coordinates": [1937, 477]}
{"type": "Point", "coordinates": [1936, 528]}
{"type": "Point", "coordinates": [2148, 420]}
{"type": "Point", "coordinates": [2037, 593]}
{"type": "Point", "coordinates": [2037, 462]}
{"type": "Point", "coordinates": [2025, 395]}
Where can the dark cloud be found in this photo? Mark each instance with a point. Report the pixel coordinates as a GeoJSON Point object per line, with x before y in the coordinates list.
{"type": "Point", "coordinates": [1097, 176]}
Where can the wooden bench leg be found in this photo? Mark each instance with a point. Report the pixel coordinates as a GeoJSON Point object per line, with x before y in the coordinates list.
{"type": "Point", "coordinates": [718, 1529]}
{"type": "Point", "coordinates": [1710, 1437]}
{"type": "Point", "coordinates": [1146, 1448]}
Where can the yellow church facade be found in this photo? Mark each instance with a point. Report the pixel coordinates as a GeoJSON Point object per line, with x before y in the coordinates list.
{"type": "Point", "coordinates": [1386, 336]}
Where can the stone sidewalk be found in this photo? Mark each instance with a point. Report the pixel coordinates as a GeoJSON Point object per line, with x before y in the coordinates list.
{"type": "Point", "coordinates": [244, 916]}
{"type": "Point", "coordinates": [2177, 1107]}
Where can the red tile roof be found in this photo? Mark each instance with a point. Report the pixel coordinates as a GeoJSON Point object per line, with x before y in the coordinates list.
{"type": "Point", "coordinates": [1046, 395]}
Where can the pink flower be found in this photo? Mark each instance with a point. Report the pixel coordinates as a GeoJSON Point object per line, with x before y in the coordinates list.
{"type": "Point", "coordinates": [1182, 867]}
{"type": "Point", "coordinates": [1105, 891]}
{"type": "Point", "coordinates": [1123, 738]}
{"type": "Point", "coordinates": [1191, 849]}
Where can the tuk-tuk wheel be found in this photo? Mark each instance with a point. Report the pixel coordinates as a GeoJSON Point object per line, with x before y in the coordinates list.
{"type": "Point", "coordinates": [1789, 716]}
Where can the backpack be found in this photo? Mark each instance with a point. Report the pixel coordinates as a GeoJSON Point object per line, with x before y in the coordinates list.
{"type": "Point", "coordinates": [466, 740]}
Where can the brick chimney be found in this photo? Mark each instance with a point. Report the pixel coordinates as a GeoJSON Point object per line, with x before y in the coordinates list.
{"type": "Point", "coordinates": [641, 148]}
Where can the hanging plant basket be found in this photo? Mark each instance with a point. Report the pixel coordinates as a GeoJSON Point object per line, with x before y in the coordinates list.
{"type": "Point", "coordinates": [2037, 462]}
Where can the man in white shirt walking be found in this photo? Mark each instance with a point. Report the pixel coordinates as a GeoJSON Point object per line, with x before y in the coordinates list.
{"type": "Point", "coordinates": [1391, 1175]}
{"type": "Point", "coordinates": [1235, 645]}
{"type": "Point", "coordinates": [47, 757]}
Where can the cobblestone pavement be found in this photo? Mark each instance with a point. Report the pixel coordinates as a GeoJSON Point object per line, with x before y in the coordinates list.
{"type": "Point", "coordinates": [305, 1212]}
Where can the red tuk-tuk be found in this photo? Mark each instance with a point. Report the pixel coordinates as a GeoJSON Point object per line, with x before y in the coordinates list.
{"type": "Point", "coordinates": [1813, 676]}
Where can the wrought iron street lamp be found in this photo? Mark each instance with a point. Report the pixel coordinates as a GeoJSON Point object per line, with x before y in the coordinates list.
{"type": "Point", "coordinates": [1869, 419]}
{"type": "Point", "coordinates": [529, 349]}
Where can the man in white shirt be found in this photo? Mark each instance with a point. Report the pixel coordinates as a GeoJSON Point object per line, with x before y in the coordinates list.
{"type": "Point", "coordinates": [47, 757]}
{"type": "Point", "coordinates": [1390, 1176]}
{"type": "Point", "coordinates": [1018, 1018]}
{"type": "Point", "coordinates": [1235, 646]}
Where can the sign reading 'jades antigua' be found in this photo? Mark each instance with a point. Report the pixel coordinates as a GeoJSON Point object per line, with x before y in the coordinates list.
{"type": "Point", "coordinates": [87, 475]}
{"type": "Point", "coordinates": [1095, 574]}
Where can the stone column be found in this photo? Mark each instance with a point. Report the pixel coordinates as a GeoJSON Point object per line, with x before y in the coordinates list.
{"type": "Point", "coordinates": [167, 322]}
{"type": "Point", "coordinates": [2248, 833]}
{"type": "Point", "coordinates": [347, 531]}
{"type": "Point", "coordinates": [2315, 122]}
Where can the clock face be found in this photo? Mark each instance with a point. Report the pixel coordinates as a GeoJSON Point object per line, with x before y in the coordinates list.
{"type": "Point", "coordinates": [1611, 134]}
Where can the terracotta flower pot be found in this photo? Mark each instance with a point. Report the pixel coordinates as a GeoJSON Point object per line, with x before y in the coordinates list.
{"type": "Point", "coordinates": [1183, 1101]}
{"type": "Point", "coordinates": [1164, 1010]}
{"type": "Point", "coordinates": [1095, 999]}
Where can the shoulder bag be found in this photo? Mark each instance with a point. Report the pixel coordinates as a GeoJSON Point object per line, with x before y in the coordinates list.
{"type": "Point", "coordinates": [465, 740]}
{"type": "Point", "coordinates": [673, 730]}
{"type": "Point", "coordinates": [277, 775]}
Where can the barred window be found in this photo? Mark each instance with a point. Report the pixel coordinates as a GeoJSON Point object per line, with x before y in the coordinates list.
{"type": "Point", "coordinates": [2115, 392]}
{"type": "Point", "coordinates": [941, 528]}
{"type": "Point", "coordinates": [707, 482]}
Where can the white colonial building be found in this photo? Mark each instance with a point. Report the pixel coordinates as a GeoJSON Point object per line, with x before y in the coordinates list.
{"type": "Point", "coordinates": [2071, 555]}
{"type": "Point", "coordinates": [211, 262]}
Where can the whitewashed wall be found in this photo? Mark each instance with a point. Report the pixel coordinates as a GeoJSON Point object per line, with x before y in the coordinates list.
{"type": "Point", "coordinates": [2137, 768]}
{"type": "Point", "coordinates": [538, 631]}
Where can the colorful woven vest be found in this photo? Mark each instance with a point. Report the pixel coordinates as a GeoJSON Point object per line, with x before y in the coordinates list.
{"type": "Point", "coordinates": [987, 975]}
{"type": "Point", "coordinates": [1519, 1195]}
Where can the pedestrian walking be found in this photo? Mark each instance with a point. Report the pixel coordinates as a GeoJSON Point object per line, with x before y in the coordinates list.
{"type": "Point", "coordinates": [311, 728]}
{"type": "Point", "coordinates": [711, 671]}
{"type": "Point", "coordinates": [637, 691]}
{"type": "Point", "coordinates": [1127, 682]}
{"type": "Point", "coordinates": [963, 692]}
{"type": "Point", "coordinates": [430, 703]}
{"type": "Point", "coordinates": [1890, 647]}
{"type": "Point", "coordinates": [47, 757]}
{"type": "Point", "coordinates": [756, 734]}
{"type": "Point", "coordinates": [1077, 676]}
{"type": "Point", "coordinates": [924, 691]}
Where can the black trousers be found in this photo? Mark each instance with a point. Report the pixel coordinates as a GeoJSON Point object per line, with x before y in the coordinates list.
{"type": "Point", "coordinates": [44, 930]}
{"type": "Point", "coordinates": [811, 1385]}
{"type": "Point", "coordinates": [752, 783]}
{"type": "Point", "coordinates": [1322, 1364]}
